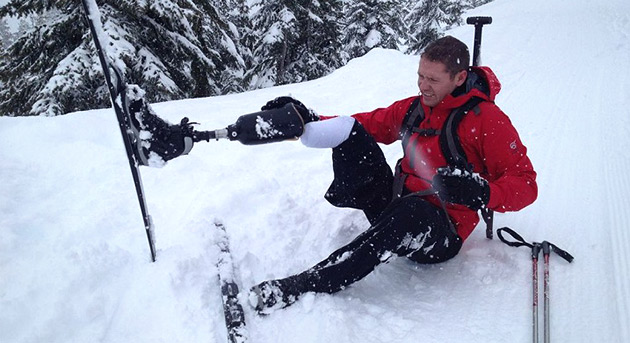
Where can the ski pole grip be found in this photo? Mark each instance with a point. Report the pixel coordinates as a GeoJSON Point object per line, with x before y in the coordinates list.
{"type": "Point", "coordinates": [478, 20]}
{"type": "Point", "coordinates": [546, 248]}
{"type": "Point", "coordinates": [536, 250]}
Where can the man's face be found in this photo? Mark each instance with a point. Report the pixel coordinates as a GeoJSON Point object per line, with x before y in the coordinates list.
{"type": "Point", "coordinates": [435, 82]}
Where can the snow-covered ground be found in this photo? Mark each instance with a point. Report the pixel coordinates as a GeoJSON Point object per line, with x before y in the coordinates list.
{"type": "Point", "coordinates": [74, 261]}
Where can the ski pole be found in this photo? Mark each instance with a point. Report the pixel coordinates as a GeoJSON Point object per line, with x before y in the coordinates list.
{"type": "Point", "coordinates": [479, 22]}
{"type": "Point", "coordinates": [547, 248]}
{"type": "Point", "coordinates": [535, 248]}
{"type": "Point", "coordinates": [535, 254]}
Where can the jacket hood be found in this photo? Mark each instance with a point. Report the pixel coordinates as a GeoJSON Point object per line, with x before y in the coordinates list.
{"type": "Point", "coordinates": [481, 82]}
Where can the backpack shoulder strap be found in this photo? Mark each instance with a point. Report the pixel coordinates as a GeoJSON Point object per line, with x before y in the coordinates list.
{"type": "Point", "coordinates": [449, 139]}
{"type": "Point", "coordinates": [413, 117]}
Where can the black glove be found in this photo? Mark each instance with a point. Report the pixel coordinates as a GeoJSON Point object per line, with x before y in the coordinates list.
{"type": "Point", "coordinates": [306, 114]}
{"type": "Point", "coordinates": [458, 186]}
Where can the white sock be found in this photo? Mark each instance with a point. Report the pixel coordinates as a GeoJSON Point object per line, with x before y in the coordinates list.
{"type": "Point", "coordinates": [327, 133]}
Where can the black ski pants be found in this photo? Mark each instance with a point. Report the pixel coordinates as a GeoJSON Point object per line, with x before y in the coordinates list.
{"type": "Point", "coordinates": [408, 226]}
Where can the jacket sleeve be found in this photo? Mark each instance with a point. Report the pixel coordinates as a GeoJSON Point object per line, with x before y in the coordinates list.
{"type": "Point", "coordinates": [384, 123]}
{"type": "Point", "coordinates": [509, 170]}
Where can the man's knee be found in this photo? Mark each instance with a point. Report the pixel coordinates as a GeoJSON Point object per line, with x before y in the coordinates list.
{"type": "Point", "coordinates": [444, 248]}
{"type": "Point", "coordinates": [422, 231]}
{"type": "Point", "coordinates": [363, 179]}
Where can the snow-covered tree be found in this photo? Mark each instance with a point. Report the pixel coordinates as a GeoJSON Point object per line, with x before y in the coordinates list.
{"type": "Point", "coordinates": [454, 10]}
{"type": "Point", "coordinates": [237, 15]}
{"type": "Point", "coordinates": [371, 23]}
{"type": "Point", "coordinates": [276, 26]}
{"type": "Point", "coordinates": [6, 36]}
{"type": "Point", "coordinates": [171, 48]}
{"type": "Point", "coordinates": [320, 40]}
{"type": "Point", "coordinates": [29, 64]}
{"type": "Point", "coordinates": [428, 19]}
{"type": "Point", "coordinates": [426, 23]}
{"type": "Point", "coordinates": [467, 4]}
{"type": "Point", "coordinates": [297, 41]}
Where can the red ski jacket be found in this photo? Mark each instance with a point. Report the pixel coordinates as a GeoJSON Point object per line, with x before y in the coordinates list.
{"type": "Point", "coordinates": [489, 139]}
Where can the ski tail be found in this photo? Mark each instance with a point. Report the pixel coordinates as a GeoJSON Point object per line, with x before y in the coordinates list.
{"type": "Point", "coordinates": [232, 309]}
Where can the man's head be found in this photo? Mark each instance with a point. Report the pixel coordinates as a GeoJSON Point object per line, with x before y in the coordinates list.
{"type": "Point", "coordinates": [443, 67]}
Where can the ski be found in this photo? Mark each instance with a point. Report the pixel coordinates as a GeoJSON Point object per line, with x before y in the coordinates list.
{"type": "Point", "coordinates": [118, 89]}
{"type": "Point", "coordinates": [232, 309]}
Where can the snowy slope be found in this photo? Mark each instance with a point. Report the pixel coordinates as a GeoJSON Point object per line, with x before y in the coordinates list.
{"type": "Point", "coordinates": [74, 262]}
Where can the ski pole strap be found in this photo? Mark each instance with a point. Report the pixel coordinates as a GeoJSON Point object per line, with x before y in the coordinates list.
{"type": "Point", "coordinates": [546, 246]}
{"type": "Point", "coordinates": [562, 253]}
{"type": "Point", "coordinates": [518, 242]}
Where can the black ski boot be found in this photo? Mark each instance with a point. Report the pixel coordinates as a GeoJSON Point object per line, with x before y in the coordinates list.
{"type": "Point", "coordinates": [157, 140]}
{"type": "Point", "coordinates": [269, 296]}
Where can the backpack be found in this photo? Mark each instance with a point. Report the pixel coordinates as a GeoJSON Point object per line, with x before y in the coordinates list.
{"type": "Point", "coordinates": [449, 144]}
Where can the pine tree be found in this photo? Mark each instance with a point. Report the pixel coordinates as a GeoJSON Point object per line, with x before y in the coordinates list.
{"type": "Point", "coordinates": [297, 41]}
{"type": "Point", "coordinates": [274, 24]}
{"type": "Point", "coordinates": [454, 10]}
{"type": "Point", "coordinates": [172, 49]}
{"type": "Point", "coordinates": [237, 17]}
{"type": "Point", "coordinates": [319, 43]}
{"type": "Point", "coordinates": [372, 23]}
{"type": "Point", "coordinates": [427, 19]}
{"type": "Point", "coordinates": [28, 65]}
{"type": "Point", "coordinates": [468, 4]}
{"type": "Point", "coordinates": [6, 36]}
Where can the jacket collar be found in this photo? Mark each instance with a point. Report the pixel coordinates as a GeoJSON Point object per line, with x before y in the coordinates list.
{"type": "Point", "coordinates": [481, 82]}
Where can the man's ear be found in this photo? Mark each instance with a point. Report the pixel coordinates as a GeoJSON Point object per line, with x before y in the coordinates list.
{"type": "Point", "coordinates": [460, 77]}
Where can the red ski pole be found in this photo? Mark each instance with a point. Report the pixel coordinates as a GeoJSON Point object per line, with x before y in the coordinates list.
{"type": "Point", "coordinates": [546, 248]}
{"type": "Point", "coordinates": [535, 254]}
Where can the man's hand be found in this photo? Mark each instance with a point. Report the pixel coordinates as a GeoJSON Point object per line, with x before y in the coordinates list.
{"type": "Point", "coordinates": [306, 114]}
{"type": "Point", "coordinates": [458, 186]}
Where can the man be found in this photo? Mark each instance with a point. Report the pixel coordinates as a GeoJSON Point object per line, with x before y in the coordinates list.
{"type": "Point", "coordinates": [437, 207]}
{"type": "Point", "coordinates": [429, 207]}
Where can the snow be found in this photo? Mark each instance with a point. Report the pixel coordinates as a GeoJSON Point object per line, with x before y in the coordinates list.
{"type": "Point", "coordinates": [373, 38]}
{"type": "Point", "coordinates": [75, 265]}
{"type": "Point", "coordinates": [265, 129]}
